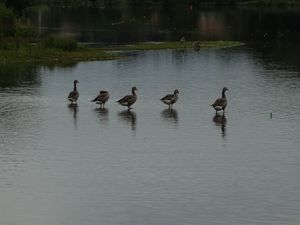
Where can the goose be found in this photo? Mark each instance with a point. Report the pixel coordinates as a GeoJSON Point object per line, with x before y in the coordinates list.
{"type": "Point", "coordinates": [74, 95]}
{"type": "Point", "coordinates": [102, 98]}
{"type": "Point", "coordinates": [129, 100]}
{"type": "Point", "coordinates": [170, 99]}
{"type": "Point", "coordinates": [197, 45]}
{"type": "Point", "coordinates": [221, 103]}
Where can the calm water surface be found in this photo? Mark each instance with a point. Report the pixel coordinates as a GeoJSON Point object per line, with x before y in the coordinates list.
{"type": "Point", "coordinates": [126, 24]}
{"type": "Point", "coordinates": [82, 165]}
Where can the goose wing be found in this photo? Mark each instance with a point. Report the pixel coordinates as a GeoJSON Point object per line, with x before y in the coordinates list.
{"type": "Point", "coordinates": [167, 97]}
{"type": "Point", "coordinates": [219, 103]}
{"type": "Point", "coordinates": [127, 100]}
{"type": "Point", "coordinates": [102, 97]}
{"type": "Point", "coordinates": [96, 99]}
{"type": "Point", "coordinates": [73, 95]}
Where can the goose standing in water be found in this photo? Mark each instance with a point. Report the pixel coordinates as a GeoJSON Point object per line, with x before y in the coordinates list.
{"type": "Point", "coordinates": [129, 100]}
{"type": "Point", "coordinates": [74, 95]}
{"type": "Point", "coordinates": [102, 98]}
{"type": "Point", "coordinates": [170, 99]}
{"type": "Point", "coordinates": [221, 103]}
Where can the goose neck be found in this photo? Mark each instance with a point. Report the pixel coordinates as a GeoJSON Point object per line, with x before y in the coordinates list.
{"type": "Point", "coordinates": [75, 86]}
{"type": "Point", "coordinates": [223, 94]}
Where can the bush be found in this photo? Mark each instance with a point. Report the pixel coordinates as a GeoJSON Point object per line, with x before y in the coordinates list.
{"type": "Point", "coordinates": [26, 32]}
{"type": "Point", "coordinates": [63, 43]}
{"type": "Point", "coordinates": [7, 22]}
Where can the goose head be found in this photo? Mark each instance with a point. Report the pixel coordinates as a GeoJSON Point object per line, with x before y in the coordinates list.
{"type": "Point", "coordinates": [224, 89]}
{"type": "Point", "coordinates": [223, 92]}
{"type": "Point", "coordinates": [133, 90]}
{"type": "Point", "coordinates": [176, 92]}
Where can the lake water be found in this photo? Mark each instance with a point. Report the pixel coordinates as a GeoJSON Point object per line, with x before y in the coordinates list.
{"type": "Point", "coordinates": [119, 25]}
{"type": "Point", "coordinates": [82, 165]}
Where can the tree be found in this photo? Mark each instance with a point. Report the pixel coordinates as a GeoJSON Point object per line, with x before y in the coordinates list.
{"type": "Point", "coordinates": [7, 22]}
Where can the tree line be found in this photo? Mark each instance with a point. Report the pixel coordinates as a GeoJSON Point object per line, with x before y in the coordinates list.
{"type": "Point", "coordinates": [25, 3]}
{"type": "Point", "coordinates": [19, 5]}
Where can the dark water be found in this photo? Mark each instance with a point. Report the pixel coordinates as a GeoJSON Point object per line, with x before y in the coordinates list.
{"type": "Point", "coordinates": [119, 25]}
{"type": "Point", "coordinates": [82, 165]}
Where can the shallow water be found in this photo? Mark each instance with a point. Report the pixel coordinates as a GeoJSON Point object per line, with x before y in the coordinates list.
{"type": "Point", "coordinates": [82, 165]}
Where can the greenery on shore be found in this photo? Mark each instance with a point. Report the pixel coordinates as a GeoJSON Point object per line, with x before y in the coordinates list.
{"type": "Point", "coordinates": [278, 3]}
{"type": "Point", "coordinates": [180, 45]}
{"type": "Point", "coordinates": [19, 5]}
{"type": "Point", "coordinates": [20, 43]}
{"type": "Point", "coordinates": [37, 53]}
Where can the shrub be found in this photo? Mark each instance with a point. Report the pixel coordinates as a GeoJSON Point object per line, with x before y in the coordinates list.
{"type": "Point", "coordinates": [7, 22]}
{"type": "Point", "coordinates": [26, 32]}
{"type": "Point", "coordinates": [63, 43]}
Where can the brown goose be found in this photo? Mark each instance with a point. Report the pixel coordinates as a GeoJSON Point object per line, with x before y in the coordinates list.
{"type": "Point", "coordinates": [221, 103]}
{"type": "Point", "coordinates": [74, 95]}
{"type": "Point", "coordinates": [102, 98]}
{"type": "Point", "coordinates": [170, 99]}
{"type": "Point", "coordinates": [129, 100]}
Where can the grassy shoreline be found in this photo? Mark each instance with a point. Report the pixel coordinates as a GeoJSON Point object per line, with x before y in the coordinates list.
{"type": "Point", "coordinates": [31, 54]}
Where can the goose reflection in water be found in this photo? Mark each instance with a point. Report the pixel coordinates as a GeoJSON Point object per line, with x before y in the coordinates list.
{"type": "Point", "coordinates": [170, 115]}
{"type": "Point", "coordinates": [220, 121]}
{"type": "Point", "coordinates": [102, 113]}
{"type": "Point", "coordinates": [129, 117]}
{"type": "Point", "coordinates": [73, 108]}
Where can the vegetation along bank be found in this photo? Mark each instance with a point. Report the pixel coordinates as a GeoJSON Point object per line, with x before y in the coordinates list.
{"type": "Point", "coordinates": [21, 43]}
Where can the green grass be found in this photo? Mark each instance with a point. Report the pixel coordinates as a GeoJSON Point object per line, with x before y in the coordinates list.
{"type": "Point", "coordinates": [63, 43]}
{"type": "Point", "coordinates": [270, 3]}
{"type": "Point", "coordinates": [37, 53]}
{"type": "Point", "coordinates": [176, 45]}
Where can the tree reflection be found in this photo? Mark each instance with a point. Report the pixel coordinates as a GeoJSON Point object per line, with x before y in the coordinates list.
{"type": "Point", "coordinates": [26, 74]}
{"type": "Point", "coordinates": [14, 75]}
